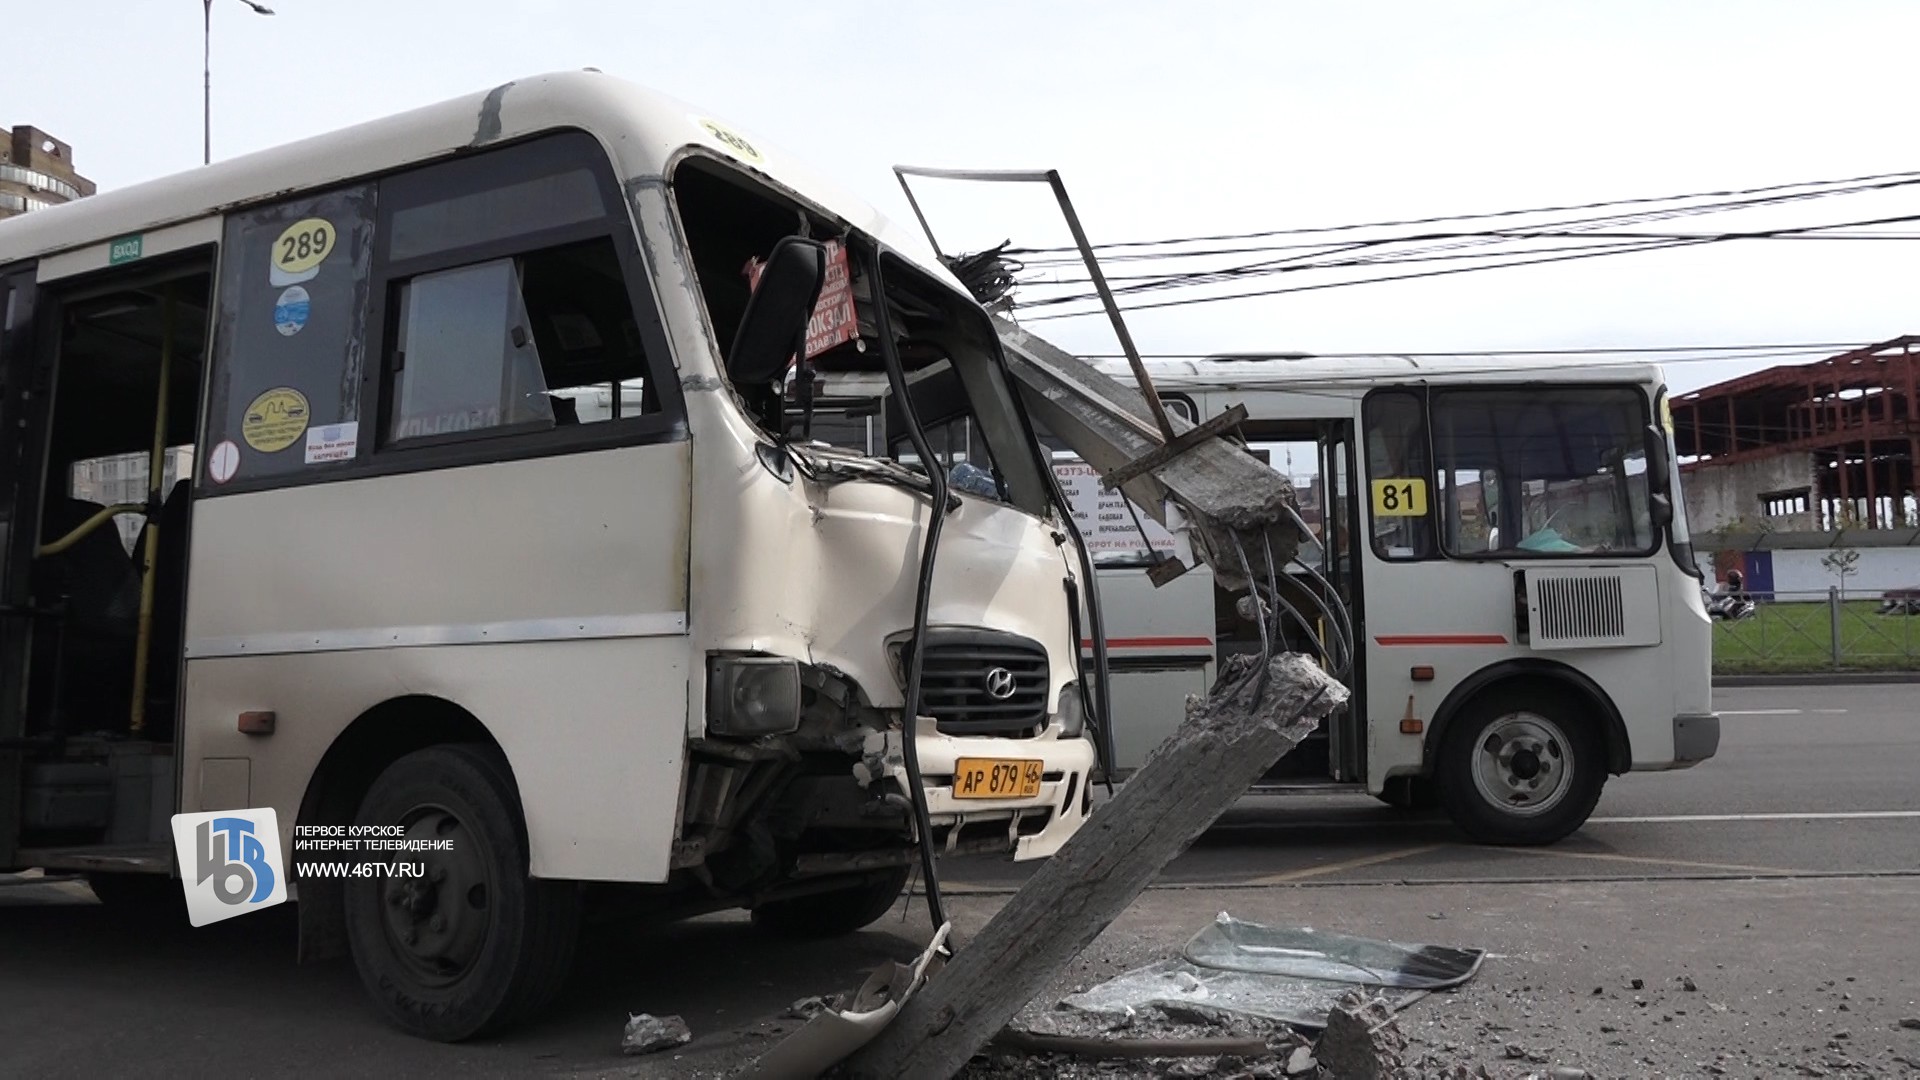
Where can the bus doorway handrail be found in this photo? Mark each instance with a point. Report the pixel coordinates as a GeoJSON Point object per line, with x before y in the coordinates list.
{"type": "Point", "coordinates": [84, 529]}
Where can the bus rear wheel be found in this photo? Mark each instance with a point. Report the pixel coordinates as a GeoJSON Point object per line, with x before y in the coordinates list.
{"type": "Point", "coordinates": [1520, 769]}
{"type": "Point", "coordinates": [832, 914]}
{"type": "Point", "coordinates": [468, 943]}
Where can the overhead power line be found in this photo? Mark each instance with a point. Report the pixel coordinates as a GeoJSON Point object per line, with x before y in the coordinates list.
{"type": "Point", "coordinates": [1512, 259]}
{"type": "Point", "coordinates": [1855, 184]}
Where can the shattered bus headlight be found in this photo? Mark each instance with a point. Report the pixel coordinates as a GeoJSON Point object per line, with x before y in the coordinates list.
{"type": "Point", "coordinates": [1073, 713]}
{"type": "Point", "coordinates": [751, 696]}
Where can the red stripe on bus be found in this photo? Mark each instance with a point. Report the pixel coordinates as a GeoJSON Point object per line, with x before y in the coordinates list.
{"type": "Point", "coordinates": [1443, 639]}
{"type": "Point", "coordinates": [1152, 643]}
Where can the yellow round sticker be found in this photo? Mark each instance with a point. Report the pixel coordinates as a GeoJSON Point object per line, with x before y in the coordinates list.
{"type": "Point", "coordinates": [275, 420]}
{"type": "Point", "coordinates": [731, 139]}
{"type": "Point", "coordinates": [304, 245]}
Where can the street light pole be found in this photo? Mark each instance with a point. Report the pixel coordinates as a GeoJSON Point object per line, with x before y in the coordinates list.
{"type": "Point", "coordinates": [206, 74]}
{"type": "Point", "coordinates": [206, 85]}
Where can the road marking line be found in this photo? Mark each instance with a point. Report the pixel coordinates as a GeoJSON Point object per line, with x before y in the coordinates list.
{"type": "Point", "coordinates": [1609, 857]}
{"type": "Point", "coordinates": [1760, 712]}
{"type": "Point", "coordinates": [1674, 819]}
{"type": "Point", "coordinates": [1350, 864]}
{"type": "Point", "coordinates": [1829, 712]}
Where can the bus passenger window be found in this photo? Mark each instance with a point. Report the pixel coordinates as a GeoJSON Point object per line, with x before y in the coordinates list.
{"type": "Point", "coordinates": [544, 340]}
{"type": "Point", "coordinates": [283, 399]}
{"type": "Point", "coordinates": [467, 360]}
{"type": "Point", "coordinates": [509, 310]}
{"type": "Point", "coordinates": [1397, 475]}
{"type": "Point", "coordinates": [1544, 471]}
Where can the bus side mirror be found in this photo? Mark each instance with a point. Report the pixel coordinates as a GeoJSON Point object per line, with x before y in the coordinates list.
{"type": "Point", "coordinates": [773, 328]}
{"type": "Point", "coordinates": [1659, 478]}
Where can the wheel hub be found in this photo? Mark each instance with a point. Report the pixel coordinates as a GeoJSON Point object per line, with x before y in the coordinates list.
{"type": "Point", "coordinates": [438, 901]}
{"type": "Point", "coordinates": [1522, 764]}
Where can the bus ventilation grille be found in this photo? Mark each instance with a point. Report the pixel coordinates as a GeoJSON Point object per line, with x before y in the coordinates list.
{"type": "Point", "coordinates": [1583, 608]}
{"type": "Point", "coordinates": [964, 684]}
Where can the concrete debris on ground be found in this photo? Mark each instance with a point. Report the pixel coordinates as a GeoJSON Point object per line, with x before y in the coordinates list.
{"type": "Point", "coordinates": [807, 1008]}
{"type": "Point", "coordinates": [1361, 1039]}
{"type": "Point", "coordinates": [650, 1034]}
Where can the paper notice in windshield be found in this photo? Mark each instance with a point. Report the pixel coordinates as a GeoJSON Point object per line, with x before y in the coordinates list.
{"type": "Point", "coordinates": [1102, 516]}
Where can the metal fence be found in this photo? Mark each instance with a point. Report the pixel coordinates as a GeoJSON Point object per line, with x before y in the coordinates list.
{"type": "Point", "coordinates": [1820, 631]}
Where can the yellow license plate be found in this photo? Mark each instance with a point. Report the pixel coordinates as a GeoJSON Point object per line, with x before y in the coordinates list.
{"type": "Point", "coordinates": [996, 778]}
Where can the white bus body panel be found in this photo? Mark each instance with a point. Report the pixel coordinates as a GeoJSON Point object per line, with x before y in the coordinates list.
{"type": "Point", "coordinates": [1160, 648]}
{"type": "Point", "coordinates": [572, 568]}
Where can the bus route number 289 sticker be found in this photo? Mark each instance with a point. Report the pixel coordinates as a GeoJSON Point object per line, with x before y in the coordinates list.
{"type": "Point", "coordinates": [275, 420]}
{"type": "Point", "coordinates": [299, 250]}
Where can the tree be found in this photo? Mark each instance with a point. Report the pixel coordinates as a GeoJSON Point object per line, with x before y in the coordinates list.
{"type": "Point", "coordinates": [1842, 562]}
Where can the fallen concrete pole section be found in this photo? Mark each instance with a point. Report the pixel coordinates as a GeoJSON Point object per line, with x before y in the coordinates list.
{"type": "Point", "coordinates": [1251, 718]}
{"type": "Point", "coordinates": [1229, 497]}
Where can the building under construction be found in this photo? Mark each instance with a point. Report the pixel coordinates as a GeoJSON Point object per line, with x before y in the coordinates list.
{"type": "Point", "coordinates": [1805, 447]}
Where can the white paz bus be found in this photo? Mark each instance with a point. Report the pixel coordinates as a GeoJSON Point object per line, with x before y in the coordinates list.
{"type": "Point", "coordinates": [496, 531]}
{"type": "Point", "coordinates": [1511, 542]}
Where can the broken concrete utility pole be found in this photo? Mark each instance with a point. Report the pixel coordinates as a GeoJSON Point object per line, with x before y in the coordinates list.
{"type": "Point", "coordinates": [1228, 497]}
{"type": "Point", "coordinates": [1253, 716]}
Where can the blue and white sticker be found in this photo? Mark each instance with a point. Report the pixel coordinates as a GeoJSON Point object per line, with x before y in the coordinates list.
{"type": "Point", "coordinates": [291, 310]}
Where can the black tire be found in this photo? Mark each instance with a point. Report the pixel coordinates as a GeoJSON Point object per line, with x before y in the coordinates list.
{"type": "Point", "coordinates": [833, 914]}
{"type": "Point", "coordinates": [147, 897]}
{"type": "Point", "coordinates": [477, 945]}
{"type": "Point", "coordinates": [1505, 735]}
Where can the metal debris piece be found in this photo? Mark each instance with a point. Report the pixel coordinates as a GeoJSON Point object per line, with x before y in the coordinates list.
{"type": "Point", "coordinates": [1293, 975]}
{"type": "Point", "coordinates": [1230, 944]}
{"type": "Point", "coordinates": [842, 1025]}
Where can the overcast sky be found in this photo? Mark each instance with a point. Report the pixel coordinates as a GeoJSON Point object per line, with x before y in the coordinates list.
{"type": "Point", "coordinates": [1166, 119]}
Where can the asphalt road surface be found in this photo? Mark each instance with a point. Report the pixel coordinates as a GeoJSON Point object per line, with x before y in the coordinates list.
{"type": "Point", "coordinates": [1785, 868]}
{"type": "Point", "coordinates": [1807, 781]}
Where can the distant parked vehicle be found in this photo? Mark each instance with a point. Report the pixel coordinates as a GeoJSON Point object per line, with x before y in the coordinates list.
{"type": "Point", "coordinates": [1732, 601]}
{"type": "Point", "coordinates": [1900, 602]}
{"type": "Point", "coordinates": [1728, 605]}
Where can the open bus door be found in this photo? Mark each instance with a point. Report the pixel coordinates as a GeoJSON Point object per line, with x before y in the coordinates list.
{"type": "Point", "coordinates": [23, 417]}
{"type": "Point", "coordinates": [1317, 457]}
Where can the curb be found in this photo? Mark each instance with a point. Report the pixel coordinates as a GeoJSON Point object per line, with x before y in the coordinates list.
{"type": "Point", "coordinates": [1820, 678]}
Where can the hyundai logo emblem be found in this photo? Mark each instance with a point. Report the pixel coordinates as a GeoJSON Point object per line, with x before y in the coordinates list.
{"type": "Point", "coordinates": [1000, 683]}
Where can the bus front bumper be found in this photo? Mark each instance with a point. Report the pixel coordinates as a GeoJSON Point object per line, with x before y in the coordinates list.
{"type": "Point", "coordinates": [1696, 737]}
{"type": "Point", "coordinates": [1036, 826]}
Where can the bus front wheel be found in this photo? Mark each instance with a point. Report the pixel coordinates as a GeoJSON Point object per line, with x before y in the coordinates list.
{"type": "Point", "coordinates": [1520, 768]}
{"type": "Point", "coordinates": [456, 940]}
